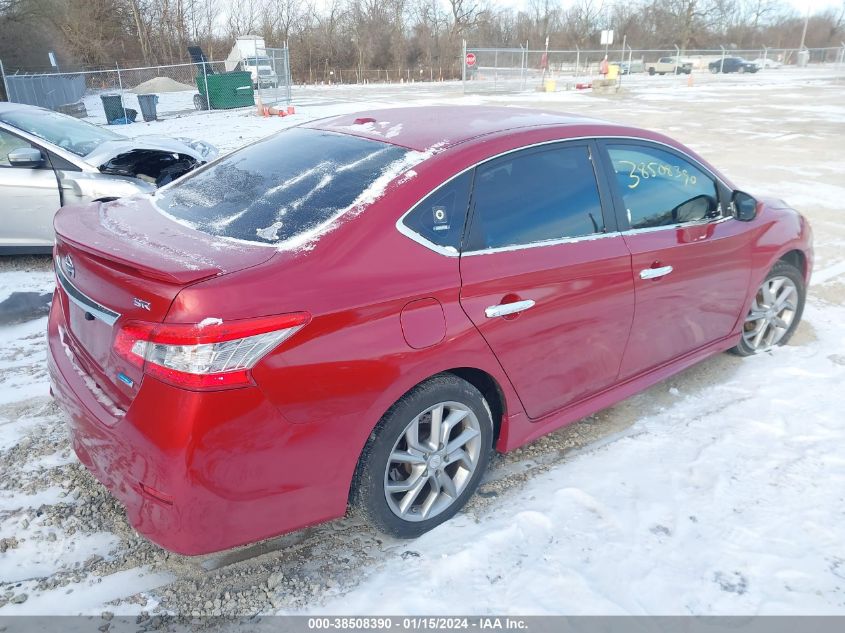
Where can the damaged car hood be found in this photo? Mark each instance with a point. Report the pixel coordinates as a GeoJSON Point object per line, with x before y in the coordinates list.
{"type": "Point", "coordinates": [110, 150]}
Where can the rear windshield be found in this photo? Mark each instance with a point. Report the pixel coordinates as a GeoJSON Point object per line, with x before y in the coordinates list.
{"type": "Point", "coordinates": [283, 188]}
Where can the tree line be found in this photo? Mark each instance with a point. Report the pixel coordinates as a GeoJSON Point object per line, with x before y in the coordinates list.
{"type": "Point", "coordinates": [395, 35]}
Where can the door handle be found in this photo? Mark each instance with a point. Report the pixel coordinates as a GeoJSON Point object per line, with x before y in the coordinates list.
{"type": "Point", "coordinates": [504, 309]}
{"type": "Point", "coordinates": [654, 273]}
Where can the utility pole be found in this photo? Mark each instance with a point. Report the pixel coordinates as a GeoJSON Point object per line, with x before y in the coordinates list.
{"type": "Point", "coordinates": [804, 32]}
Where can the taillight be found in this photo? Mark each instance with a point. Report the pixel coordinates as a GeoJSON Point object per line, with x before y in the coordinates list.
{"type": "Point", "coordinates": [212, 354]}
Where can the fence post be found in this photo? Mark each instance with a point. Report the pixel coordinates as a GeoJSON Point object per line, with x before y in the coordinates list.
{"type": "Point", "coordinates": [841, 58]}
{"type": "Point", "coordinates": [722, 65]}
{"type": "Point", "coordinates": [5, 83]}
{"type": "Point", "coordinates": [577, 61]}
{"type": "Point", "coordinates": [522, 67]}
{"type": "Point", "coordinates": [120, 85]}
{"type": "Point", "coordinates": [464, 65]}
{"type": "Point", "coordinates": [205, 80]}
{"type": "Point", "coordinates": [677, 58]}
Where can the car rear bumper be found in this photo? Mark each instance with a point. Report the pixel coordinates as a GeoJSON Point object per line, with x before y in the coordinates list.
{"type": "Point", "coordinates": [197, 472]}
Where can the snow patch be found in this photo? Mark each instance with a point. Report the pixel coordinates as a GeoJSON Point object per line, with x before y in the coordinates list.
{"type": "Point", "coordinates": [308, 239]}
{"type": "Point", "coordinates": [269, 233]}
{"type": "Point", "coordinates": [99, 395]}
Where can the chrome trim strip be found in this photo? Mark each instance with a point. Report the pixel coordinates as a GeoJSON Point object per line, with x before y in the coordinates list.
{"type": "Point", "coordinates": [451, 252]}
{"type": "Point", "coordinates": [563, 240]}
{"type": "Point", "coordinates": [100, 311]}
{"type": "Point", "coordinates": [446, 251]}
{"type": "Point", "coordinates": [682, 225]}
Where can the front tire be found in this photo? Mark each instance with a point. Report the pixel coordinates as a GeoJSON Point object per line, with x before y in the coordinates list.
{"type": "Point", "coordinates": [775, 311]}
{"type": "Point", "coordinates": [425, 458]}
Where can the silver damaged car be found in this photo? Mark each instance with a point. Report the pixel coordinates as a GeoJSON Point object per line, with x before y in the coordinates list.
{"type": "Point", "coordinates": [49, 160]}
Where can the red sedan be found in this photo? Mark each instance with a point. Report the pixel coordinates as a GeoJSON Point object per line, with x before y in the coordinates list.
{"type": "Point", "coordinates": [359, 309]}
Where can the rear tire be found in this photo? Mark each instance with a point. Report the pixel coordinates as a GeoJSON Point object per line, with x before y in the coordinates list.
{"type": "Point", "coordinates": [651, 71]}
{"type": "Point", "coordinates": [775, 311]}
{"type": "Point", "coordinates": [200, 102]}
{"type": "Point", "coordinates": [408, 481]}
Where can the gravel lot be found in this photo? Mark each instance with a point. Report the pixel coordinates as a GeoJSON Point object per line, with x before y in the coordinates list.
{"type": "Point", "coordinates": [64, 543]}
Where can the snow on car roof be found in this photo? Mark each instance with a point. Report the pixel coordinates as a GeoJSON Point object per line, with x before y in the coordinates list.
{"type": "Point", "coordinates": [420, 128]}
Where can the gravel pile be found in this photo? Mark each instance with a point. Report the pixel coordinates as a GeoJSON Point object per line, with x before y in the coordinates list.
{"type": "Point", "coordinates": [158, 85]}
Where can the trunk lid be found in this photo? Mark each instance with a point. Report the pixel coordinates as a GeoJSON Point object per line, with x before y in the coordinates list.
{"type": "Point", "coordinates": [124, 261]}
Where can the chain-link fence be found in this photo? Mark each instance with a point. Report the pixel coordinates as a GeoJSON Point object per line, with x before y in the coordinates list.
{"type": "Point", "coordinates": [118, 94]}
{"type": "Point", "coordinates": [519, 69]}
{"type": "Point", "coordinates": [272, 79]}
{"type": "Point", "coordinates": [330, 76]}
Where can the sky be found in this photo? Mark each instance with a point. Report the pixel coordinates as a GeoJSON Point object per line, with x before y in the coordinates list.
{"type": "Point", "coordinates": [799, 5]}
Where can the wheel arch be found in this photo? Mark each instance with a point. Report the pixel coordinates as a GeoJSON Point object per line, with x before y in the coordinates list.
{"type": "Point", "coordinates": [797, 258]}
{"type": "Point", "coordinates": [482, 380]}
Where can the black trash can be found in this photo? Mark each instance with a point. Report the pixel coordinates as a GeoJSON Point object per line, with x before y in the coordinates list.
{"type": "Point", "coordinates": [115, 112]}
{"type": "Point", "coordinates": [148, 106]}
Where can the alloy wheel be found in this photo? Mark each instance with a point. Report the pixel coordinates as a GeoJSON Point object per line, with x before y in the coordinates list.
{"type": "Point", "coordinates": [432, 462]}
{"type": "Point", "coordinates": [772, 313]}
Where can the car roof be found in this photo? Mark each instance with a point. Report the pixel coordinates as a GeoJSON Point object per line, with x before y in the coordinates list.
{"type": "Point", "coordinates": [423, 127]}
{"type": "Point", "coordinates": [5, 106]}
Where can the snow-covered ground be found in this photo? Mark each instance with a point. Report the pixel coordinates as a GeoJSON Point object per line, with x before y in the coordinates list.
{"type": "Point", "coordinates": [721, 490]}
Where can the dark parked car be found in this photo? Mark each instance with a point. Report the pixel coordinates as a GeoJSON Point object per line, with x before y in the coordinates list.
{"type": "Point", "coordinates": [360, 309]}
{"type": "Point", "coordinates": [733, 65]}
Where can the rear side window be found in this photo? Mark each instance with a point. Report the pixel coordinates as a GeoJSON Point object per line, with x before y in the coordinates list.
{"type": "Point", "coordinates": [284, 187]}
{"type": "Point", "coordinates": [535, 196]}
{"type": "Point", "coordinates": [660, 188]}
{"type": "Point", "coordinates": [440, 217]}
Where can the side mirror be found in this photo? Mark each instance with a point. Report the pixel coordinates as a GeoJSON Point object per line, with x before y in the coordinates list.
{"type": "Point", "coordinates": [25, 157]}
{"type": "Point", "coordinates": [745, 207]}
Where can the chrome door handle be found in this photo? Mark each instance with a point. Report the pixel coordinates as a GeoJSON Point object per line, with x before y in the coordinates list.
{"type": "Point", "coordinates": [504, 309]}
{"type": "Point", "coordinates": [654, 273]}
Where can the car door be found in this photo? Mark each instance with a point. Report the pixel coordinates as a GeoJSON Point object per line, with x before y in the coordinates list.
{"type": "Point", "coordinates": [546, 276]}
{"type": "Point", "coordinates": [30, 197]}
{"type": "Point", "coordinates": [691, 260]}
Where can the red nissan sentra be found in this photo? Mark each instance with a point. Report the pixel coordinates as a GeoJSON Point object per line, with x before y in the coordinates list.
{"type": "Point", "coordinates": [359, 309]}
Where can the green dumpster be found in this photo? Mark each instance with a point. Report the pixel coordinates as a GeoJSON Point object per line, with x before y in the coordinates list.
{"type": "Point", "coordinates": [225, 91]}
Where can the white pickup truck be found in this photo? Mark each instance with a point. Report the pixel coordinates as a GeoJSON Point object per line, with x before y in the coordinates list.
{"type": "Point", "coordinates": [249, 51]}
{"type": "Point", "coordinates": [668, 65]}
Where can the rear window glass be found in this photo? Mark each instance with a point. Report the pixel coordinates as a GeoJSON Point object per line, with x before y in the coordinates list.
{"type": "Point", "coordinates": [284, 187]}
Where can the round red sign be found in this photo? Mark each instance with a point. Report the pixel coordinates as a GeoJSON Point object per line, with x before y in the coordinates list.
{"type": "Point", "coordinates": [470, 59]}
